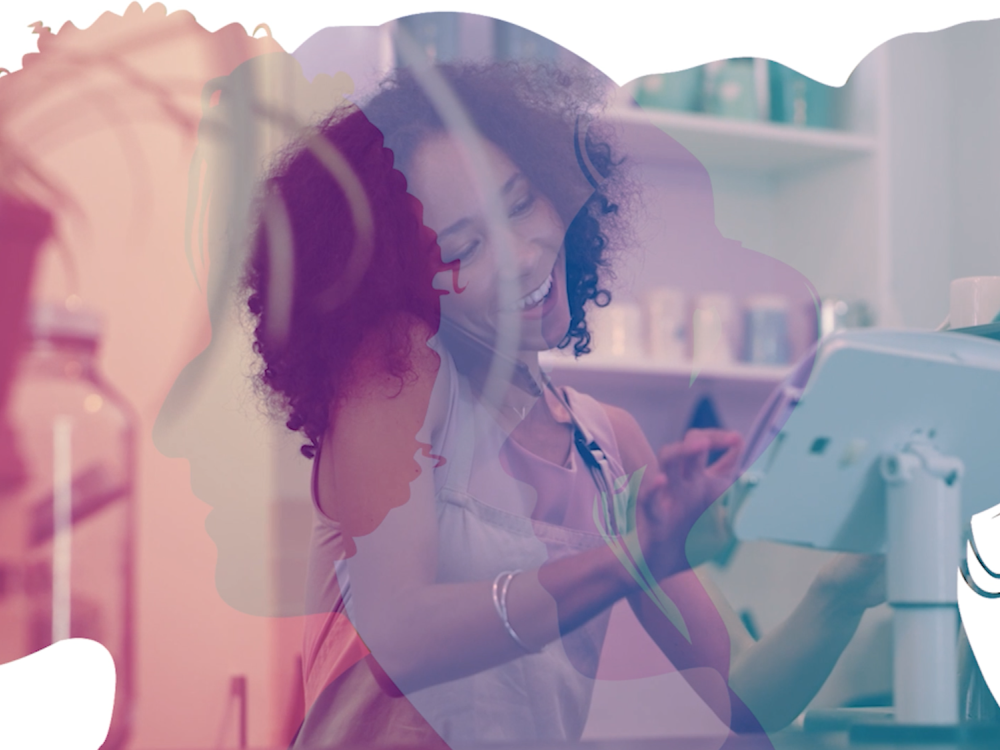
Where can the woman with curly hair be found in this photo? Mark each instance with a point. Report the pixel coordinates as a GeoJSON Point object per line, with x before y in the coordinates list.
{"type": "Point", "coordinates": [411, 261]}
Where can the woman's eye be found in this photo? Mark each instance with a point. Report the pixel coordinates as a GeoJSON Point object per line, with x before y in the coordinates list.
{"type": "Point", "coordinates": [465, 252]}
{"type": "Point", "coordinates": [523, 205]}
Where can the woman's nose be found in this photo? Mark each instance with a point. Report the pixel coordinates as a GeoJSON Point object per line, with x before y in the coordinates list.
{"type": "Point", "coordinates": [527, 252]}
{"type": "Point", "coordinates": [174, 429]}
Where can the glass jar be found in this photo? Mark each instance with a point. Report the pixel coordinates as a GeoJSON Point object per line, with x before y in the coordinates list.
{"type": "Point", "coordinates": [731, 89]}
{"type": "Point", "coordinates": [514, 42]}
{"type": "Point", "coordinates": [681, 91]}
{"type": "Point", "coordinates": [66, 530]}
{"type": "Point", "coordinates": [799, 100]}
{"type": "Point", "coordinates": [435, 34]}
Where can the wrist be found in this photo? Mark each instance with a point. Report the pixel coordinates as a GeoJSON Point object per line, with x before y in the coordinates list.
{"type": "Point", "coordinates": [606, 573]}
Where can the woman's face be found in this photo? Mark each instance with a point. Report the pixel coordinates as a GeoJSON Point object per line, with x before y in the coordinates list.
{"type": "Point", "coordinates": [524, 250]}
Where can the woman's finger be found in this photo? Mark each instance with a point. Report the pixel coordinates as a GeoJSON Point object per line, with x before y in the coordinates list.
{"type": "Point", "coordinates": [696, 463]}
{"type": "Point", "coordinates": [681, 467]}
{"type": "Point", "coordinates": [729, 460]}
{"type": "Point", "coordinates": [719, 438]}
{"type": "Point", "coordinates": [676, 452]}
{"type": "Point", "coordinates": [656, 485]}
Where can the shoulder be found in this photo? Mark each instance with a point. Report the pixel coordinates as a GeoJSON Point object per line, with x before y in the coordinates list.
{"type": "Point", "coordinates": [378, 427]}
{"type": "Point", "coordinates": [633, 446]}
{"type": "Point", "coordinates": [393, 358]}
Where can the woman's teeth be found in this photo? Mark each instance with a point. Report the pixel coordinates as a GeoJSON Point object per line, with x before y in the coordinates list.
{"type": "Point", "coordinates": [530, 300]}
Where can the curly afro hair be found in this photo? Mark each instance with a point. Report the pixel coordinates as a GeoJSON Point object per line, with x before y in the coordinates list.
{"type": "Point", "coordinates": [539, 115]}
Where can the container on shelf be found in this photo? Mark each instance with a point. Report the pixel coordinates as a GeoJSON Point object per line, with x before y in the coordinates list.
{"type": "Point", "coordinates": [681, 91]}
{"type": "Point", "coordinates": [67, 530]}
{"type": "Point", "coordinates": [799, 100]}
{"type": "Point", "coordinates": [616, 331]}
{"type": "Point", "coordinates": [435, 34]}
{"type": "Point", "coordinates": [837, 313]}
{"type": "Point", "coordinates": [666, 324]}
{"type": "Point", "coordinates": [712, 330]}
{"type": "Point", "coordinates": [516, 43]}
{"type": "Point", "coordinates": [736, 88]}
{"type": "Point", "coordinates": [767, 339]}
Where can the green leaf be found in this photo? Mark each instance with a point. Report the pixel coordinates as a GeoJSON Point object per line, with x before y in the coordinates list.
{"type": "Point", "coordinates": [625, 502]}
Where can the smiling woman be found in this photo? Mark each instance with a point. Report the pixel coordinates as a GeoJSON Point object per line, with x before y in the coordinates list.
{"type": "Point", "coordinates": [473, 524]}
{"type": "Point", "coordinates": [436, 481]}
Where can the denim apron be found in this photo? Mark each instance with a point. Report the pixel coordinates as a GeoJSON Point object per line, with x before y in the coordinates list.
{"type": "Point", "coordinates": [486, 527]}
{"type": "Point", "coordinates": [488, 522]}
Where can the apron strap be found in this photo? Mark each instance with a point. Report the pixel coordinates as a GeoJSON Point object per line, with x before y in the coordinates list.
{"type": "Point", "coordinates": [590, 451]}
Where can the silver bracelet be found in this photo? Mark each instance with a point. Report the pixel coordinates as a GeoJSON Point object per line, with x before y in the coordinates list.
{"type": "Point", "coordinates": [501, 585]}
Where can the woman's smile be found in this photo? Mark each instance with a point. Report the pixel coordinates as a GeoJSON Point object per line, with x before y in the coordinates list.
{"type": "Point", "coordinates": [534, 298]}
{"type": "Point", "coordinates": [512, 263]}
{"type": "Point", "coordinates": [540, 302]}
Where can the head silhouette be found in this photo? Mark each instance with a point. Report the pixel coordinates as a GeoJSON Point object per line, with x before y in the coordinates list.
{"type": "Point", "coordinates": [212, 415]}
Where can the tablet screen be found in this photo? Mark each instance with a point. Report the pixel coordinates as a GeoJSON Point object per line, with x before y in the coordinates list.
{"type": "Point", "coordinates": [778, 409]}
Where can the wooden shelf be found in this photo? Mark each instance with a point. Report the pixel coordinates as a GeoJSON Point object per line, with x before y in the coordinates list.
{"type": "Point", "coordinates": [736, 372]}
{"type": "Point", "coordinates": [720, 142]}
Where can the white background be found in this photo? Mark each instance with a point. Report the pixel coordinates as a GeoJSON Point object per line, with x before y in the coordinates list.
{"type": "Point", "coordinates": [626, 39]}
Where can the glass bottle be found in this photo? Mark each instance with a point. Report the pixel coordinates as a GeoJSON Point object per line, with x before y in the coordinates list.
{"type": "Point", "coordinates": [66, 531]}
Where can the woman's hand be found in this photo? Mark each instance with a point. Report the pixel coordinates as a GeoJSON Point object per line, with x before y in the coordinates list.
{"type": "Point", "coordinates": [684, 489]}
{"type": "Point", "coordinates": [853, 583]}
{"type": "Point", "coordinates": [779, 675]}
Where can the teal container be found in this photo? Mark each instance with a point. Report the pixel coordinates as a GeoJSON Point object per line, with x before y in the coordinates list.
{"type": "Point", "coordinates": [730, 89]}
{"type": "Point", "coordinates": [799, 100]}
{"type": "Point", "coordinates": [435, 34]}
{"type": "Point", "coordinates": [681, 91]}
{"type": "Point", "coordinates": [517, 43]}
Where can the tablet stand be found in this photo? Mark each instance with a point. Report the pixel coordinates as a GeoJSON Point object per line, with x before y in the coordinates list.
{"type": "Point", "coordinates": [890, 449]}
{"type": "Point", "coordinates": [923, 551]}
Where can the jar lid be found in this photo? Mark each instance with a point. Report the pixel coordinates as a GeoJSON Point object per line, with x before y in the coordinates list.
{"type": "Point", "coordinates": [54, 321]}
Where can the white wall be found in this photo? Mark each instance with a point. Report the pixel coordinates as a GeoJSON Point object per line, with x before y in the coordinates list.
{"type": "Point", "coordinates": [944, 164]}
{"type": "Point", "coordinates": [975, 115]}
{"type": "Point", "coordinates": [920, 175]}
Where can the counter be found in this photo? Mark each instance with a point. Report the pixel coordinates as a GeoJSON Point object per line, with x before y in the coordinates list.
{"type": "Point", "coordinates": [787, 740]}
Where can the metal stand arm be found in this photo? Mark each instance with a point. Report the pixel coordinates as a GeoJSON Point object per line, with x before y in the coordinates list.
{"type": "Point", "coordinates": [923, 548]}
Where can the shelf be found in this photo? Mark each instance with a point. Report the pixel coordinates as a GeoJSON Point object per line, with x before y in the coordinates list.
{"type": "Point", "coordinates": [739, 144]}
{"type": "Point", "coordinates": [736, 372]}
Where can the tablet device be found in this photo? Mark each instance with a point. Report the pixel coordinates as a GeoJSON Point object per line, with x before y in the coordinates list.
{"type": "Point", "coordinates": [812, 467]}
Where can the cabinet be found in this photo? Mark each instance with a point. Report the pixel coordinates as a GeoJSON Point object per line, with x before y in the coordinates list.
{"type": "Point", "coordinates": [816, 199]}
